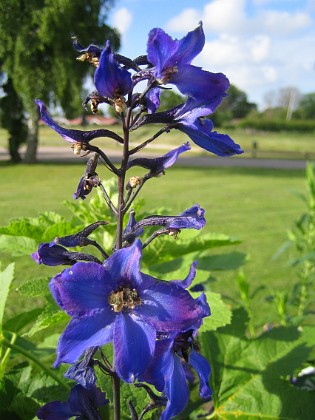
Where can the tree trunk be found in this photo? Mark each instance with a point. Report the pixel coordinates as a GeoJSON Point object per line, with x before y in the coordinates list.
{"type": "Point", "coordinates": [32, 138]}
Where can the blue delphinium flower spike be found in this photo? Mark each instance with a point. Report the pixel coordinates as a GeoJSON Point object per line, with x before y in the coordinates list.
{"type": "Point", "coordinates": [111, 80]}
{"type": "Point", "coordinates": [158, 165]}
{"type": "Point", "coordinates": [189, 118]}
{"type": "Point", "coordinates": [171, 60]}
{"type": "Point", "coordinates": [52, 255]}
{"type": "Point", "coordinates": [74, 136]}
{"type": "Point", "coordinates": [82, 404]}
{"type": "Point", "coordinates": [168, 374]}
{"type": "Point", "coordinates": [83, 371]}
{"type": "Point", "coordinates": [116, 302]}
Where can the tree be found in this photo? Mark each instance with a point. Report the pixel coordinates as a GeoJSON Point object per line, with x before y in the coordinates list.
{"type": "Point", "coordinates": [235, 105]}
{"type": "Point", "coordinates": [35, 41]}
{"type": "Point", "coordinates": [306, 107]}
{"type": "Point", "coordinates": [13, 119]}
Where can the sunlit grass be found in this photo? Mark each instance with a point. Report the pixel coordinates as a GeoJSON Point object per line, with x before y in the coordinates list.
{"type": "Point", "coordinates": [255, 205]}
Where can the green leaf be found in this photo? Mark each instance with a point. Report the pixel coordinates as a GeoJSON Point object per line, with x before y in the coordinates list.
{"type": "Point", "coordinates": [51, 316]}
{"type": "Point", "coordinates": [35, 287]}
{"type": "Point", "coordinates": [220, 313]}
{"type": "Point", "coordinates": [6, 277]}
{"type": "Point", "coordinates": [162, 250]}
{"type": "Point", "coordinates": [18, 322]}
{"type": "Point", "coordinates": [250, 378]}
{"type": "Point", "coordinates": [18, 245]}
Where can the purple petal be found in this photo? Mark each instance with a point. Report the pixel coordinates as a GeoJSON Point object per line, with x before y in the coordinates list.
{"type": "Point", "coordinates": [168, 307]}
{"type": "Point", "coordinates": [82, 290]}
{"type": "Point", "coordinates": [190, 46]}
{"type": "Point", "coordinates": [86, 401]}
{"type": "Point", "coordinates": [161, 366]}
{"type": "Point", "coordinates": [192, 218]}
{"type": "Point", "coordinates": [193, 109]}
{"type": "Point", "coordinates": [202, 367]}
{"type": "Point", "coordinates": [110, 79]}
{"type": "Point", "coordinates": [153, 100]}
{"type": "Point", "coordinates": [188, 280]}
{"type": "Point", "coordinates": [176, 391]}
{"type": "Point", "coordinates": [201, 133]}
{"type": "Point", "coordinates": [158, 165]}
{"type": "Point", "coordinates": [200, 84]}
{"type": "Point", "coordinates": [71, 136]}
{"type": "Point", "coordinates": [124, 265]}
{"type": "Point", "coordinates": [134, 342]}
{"type": "Point", "coordinates": [55, 410]}
{"type": "Point", "coordinates": [160, 48]}
{"type": "Point", "coordinates": [82, 333]}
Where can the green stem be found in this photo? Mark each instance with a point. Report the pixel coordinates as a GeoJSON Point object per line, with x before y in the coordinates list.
{"type": "Point", "coordinates": [33, 358]}
{"type": "Point", "coordinates": [7, 353]}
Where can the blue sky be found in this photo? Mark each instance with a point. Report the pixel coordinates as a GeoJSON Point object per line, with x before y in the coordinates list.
{"type": "Point", "coordinates": [261, 45]}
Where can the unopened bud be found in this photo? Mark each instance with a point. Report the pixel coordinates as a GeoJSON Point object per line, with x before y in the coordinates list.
{"type": "Point", "coordinates": [134, 181]}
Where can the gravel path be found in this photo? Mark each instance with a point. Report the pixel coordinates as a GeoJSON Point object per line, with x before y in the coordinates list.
{"type": "Point", "coordinates": [60, 154]}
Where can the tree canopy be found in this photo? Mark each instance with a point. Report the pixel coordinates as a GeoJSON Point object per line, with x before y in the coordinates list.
{"type": "Point", "coordinates": [36, 49]}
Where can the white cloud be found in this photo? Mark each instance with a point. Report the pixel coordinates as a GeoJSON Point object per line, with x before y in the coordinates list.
{"type": "Point", "coordinates": [259, 51]}
{"type": "Point", "coordinates": [121, 20]}
{"type": "Point", "coordinates": [224, 15]}
{"type": "Point", "coordinates": [185, 21]}
{"type": "Point", "coordinates": [285, 23]}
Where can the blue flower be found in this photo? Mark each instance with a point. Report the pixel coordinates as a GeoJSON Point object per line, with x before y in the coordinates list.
{"type": "Point", "coordinates": [158, 165]}
{"type": "Point", "coordinates": [171, 60]}
{"type": "Point", "coordinates": [117, 303]}
{"type": "Point", "coordinates": [130, 234]}
{"type": "Point", "coordinates": [188, 118]}
{"type": "Point", "coordinates": [111, 80]}
{"type": "Point", "coordinates": [192, 218]}
{"type": "Point", "coordinates": [83, 371]}
{"type": "Point", "coordinates": [167, 371]}
{"type": "Point", "coordinates": [52, 255]}
{"type": "Point", "coordinates": [82, 403]}
{"type": "Point", "coordinates": [74, 136]}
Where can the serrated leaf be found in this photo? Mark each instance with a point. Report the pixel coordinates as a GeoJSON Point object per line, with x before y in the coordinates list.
{"type": "Point", "coordinates": [166, 249]}
{"type": "Point", "coordinates": [221, 314]}
{"type": "Point", "coordinates": [251, 377]}
{"type": "Point", "coordinates": [22, 227]}
{"type": "Point", "coordinates": [6, 278]}
{"type": "Point", "coordinates": [17, 245]}
{"type": "Point", "coordinates": [51, 316]}
{"type": "Point", "coordinates": [18, 322]}
{"type": "Point", "coordinates": [58, 230]}
{"type": "Point", "coordinates": [35, 287]}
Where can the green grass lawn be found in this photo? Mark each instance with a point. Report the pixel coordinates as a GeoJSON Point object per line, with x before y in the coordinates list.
{"type": "Point", "coordinates": [283, 144]}
{"type": "Point", "coordinates": [255, 205]}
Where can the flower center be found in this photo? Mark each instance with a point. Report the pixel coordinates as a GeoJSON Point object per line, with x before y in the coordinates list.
{"type": "Point", "coordinates": [124, 299]}
{"type": "Point", "coordinates": [167, 74]}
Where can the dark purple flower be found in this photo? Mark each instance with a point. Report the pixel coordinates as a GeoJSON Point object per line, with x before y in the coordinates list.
{"type": "Point", "coordinates": [188, 118]}
{"type": "Point", "coordinates": [130, 234]}
{"type": "Point", "coordinates": [91, 53]}
{"type": "Point", "coordinates": [171, 59]}
{"type": "Point", "coordinates": [167, 371]}
{"type": "Point", "coordinates": [111, 80]}
{"type": "Point", "coordinates": [51, 254]}
{"type": "Point", "coordinates": [82, 404]}
{"type": "Point", "coordinates": [83, 371]}
{"type": "Point", "coordinates": [192, 218]}
{"type": "Point", "coordinates": [74, 136]}
{"type": "Point", "coordinates": [80, 238]}
{"type": "Point", "coordinates": [158, 165]}
{"type": "Point", "coordinates": [116, 302]}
